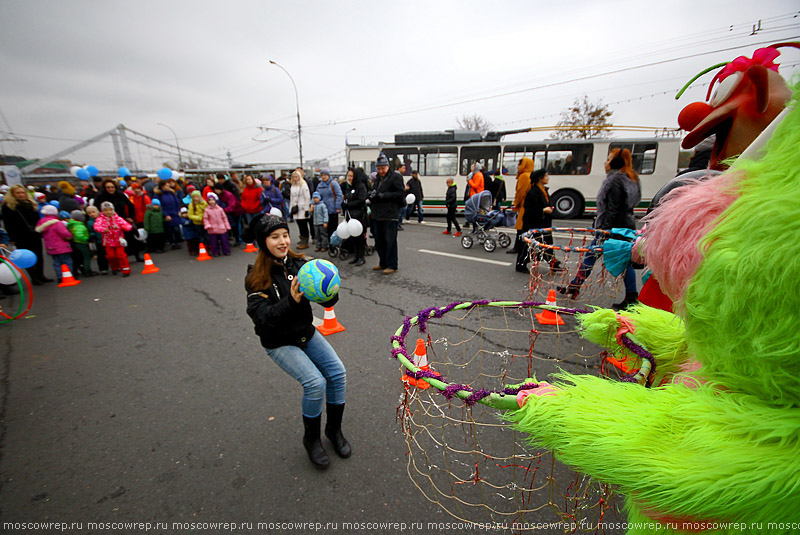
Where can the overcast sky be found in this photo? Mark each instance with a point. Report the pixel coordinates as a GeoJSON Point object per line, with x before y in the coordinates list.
{"type": "Point", "coordinates": [74, 69]}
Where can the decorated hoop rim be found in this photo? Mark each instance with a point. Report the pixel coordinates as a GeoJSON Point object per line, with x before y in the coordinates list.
{"type": "Point", "coordinates": [598, 249]}
{"type": "Point", "coordinates": [25, 288]}
{"type": "Point", "coordinates": [504, 399]}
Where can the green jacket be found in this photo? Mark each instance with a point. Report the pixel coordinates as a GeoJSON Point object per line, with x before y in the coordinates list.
{"type": "Point", "coordinates": [154, 221]}
{"type": "Point", "coordinates": [80, 234]}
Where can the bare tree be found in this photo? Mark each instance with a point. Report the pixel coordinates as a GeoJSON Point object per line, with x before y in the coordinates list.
{"type": "Point", "coordinates": [474, 122]}
{"type": "Point", "coordinates": [584, 120]}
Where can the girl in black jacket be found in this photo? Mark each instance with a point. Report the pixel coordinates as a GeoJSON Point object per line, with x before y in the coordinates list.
{"type": "Point", "coordinates": [283, 321]}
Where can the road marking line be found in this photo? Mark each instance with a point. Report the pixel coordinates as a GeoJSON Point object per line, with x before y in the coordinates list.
{"type": "Point", "coordinates": [461, 257]}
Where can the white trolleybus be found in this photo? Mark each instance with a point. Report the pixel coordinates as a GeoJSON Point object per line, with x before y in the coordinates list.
{"type": "Point", "coordinates": [576, 167]}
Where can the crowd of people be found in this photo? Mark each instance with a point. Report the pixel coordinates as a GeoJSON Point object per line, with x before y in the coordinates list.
{"type": "Point", "coordinates": [94, 229]}
{"type": "Point", "coordinates": [101, 225]}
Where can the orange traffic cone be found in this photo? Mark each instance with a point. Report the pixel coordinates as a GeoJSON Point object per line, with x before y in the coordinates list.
{"type": "Point", "coordinates": [149, 266]}
{"type": "Point", "coordinates": [203, 253]}
{"type": "Point", "coordinates": [330, 324]}
{"type": "Point", "coordinates": [548, 317]}
{"type": "Point", "coordinates": [66, 277]}
{"type": "Point", "coordinates": [250, 248]}
{"type": "Point", "coordinates": [421, 361]}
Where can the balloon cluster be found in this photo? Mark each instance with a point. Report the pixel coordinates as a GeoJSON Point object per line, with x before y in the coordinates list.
{"type": "Point", "coordinates": [11, 273]}
{"type": "Point", "coordinates": [84, 173]}
{"type": "Point", "coordinates": [349, 229]}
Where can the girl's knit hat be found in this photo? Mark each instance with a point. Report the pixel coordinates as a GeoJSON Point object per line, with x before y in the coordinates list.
{"type": "Point", "coordinates": [66, 187]}
{"type": "Point", "coordinates": [105, 205]}
{"type": "Point", "coordinates": [213, 196]}
{"type": "Point", "coordinates": [156, 202]}
{"type": "Point", "coordinates": [49, 209]}
{"type": "Point", "coordinates": [261, 227]}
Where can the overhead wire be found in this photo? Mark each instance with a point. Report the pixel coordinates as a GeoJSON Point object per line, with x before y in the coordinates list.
{"type": "Point", "coordinates": [542, 86]}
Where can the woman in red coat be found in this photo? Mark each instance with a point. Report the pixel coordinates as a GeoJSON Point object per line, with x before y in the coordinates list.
{"type": "Point", "coordinates": [251, 199]}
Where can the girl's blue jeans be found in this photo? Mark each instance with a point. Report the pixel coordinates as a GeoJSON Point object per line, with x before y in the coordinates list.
{"type": "Point", "coordinates": [318, 369]}
{"type": "Point", "coordinates": [588, 262]}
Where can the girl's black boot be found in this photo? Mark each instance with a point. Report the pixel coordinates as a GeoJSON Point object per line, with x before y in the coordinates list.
{"type": "Point", "coordinates": [333, 430]}
{"type": "Point", "coordinates": [313, 444]}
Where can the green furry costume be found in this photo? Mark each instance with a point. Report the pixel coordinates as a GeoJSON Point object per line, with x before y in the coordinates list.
{"type": "Point", "coordinates": [724, 448]}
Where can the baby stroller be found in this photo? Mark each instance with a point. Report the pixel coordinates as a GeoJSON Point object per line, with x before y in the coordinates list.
{"type": "Point", "coordinates": [478, 212]}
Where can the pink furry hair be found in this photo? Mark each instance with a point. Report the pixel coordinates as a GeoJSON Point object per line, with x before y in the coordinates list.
{"type": "Point", "coordinates": [675, 229]}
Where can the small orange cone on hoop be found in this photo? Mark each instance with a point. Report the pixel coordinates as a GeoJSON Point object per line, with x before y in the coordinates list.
{"type": "Point", "coordinates": [66, 277]}
{"type": "Point", "coordinates": [203, 253]}
{"type": "Point", "coordinates": [330, 324]}
{"type": "Point", "coordinates": [149, 266]}
{"type": "Point", "coordinates": [420, 360]}
{"type": "Point", "coordinates": [250, 248]}
{"type": "Point", "coordinates": [548, 317]}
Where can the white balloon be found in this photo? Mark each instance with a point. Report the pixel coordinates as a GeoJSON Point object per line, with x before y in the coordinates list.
{"type": "Point", "coordinates": [410, 198]}
{"type": "Point", "coordinates": [354, 227]}
{"type": "Point", "coordinates": [176, 175]}
{"type": "Point", "coordinates": [342, 231]}
{"type": "Point", "coordinates": [8, 275]}
{"type": "Point", "coordinates": [276, 211]}
{"type": "Point", "coordinates": [141, 234]}
{"type": "Point", "coordinates": [74, 170]}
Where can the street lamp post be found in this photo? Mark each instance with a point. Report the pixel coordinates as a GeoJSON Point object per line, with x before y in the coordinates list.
{"type": "Point", "coordinates": [346, 142]}
{"type": "Point", "coordinates": [297, 102]}
{"type": "Point", "coordinates": [180, 160]}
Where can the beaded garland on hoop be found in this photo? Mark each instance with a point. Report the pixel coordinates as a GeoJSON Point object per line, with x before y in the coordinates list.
{"type": "Point", "coordinates": [460, 454]}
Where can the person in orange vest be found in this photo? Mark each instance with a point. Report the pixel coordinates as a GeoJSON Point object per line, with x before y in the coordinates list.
{"type": "Point", "coordinates": [476, 182]}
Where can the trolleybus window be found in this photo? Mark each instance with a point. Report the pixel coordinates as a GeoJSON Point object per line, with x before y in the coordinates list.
{"type": "Point", "coordinates": [569, 159]}
{"type": "Point", "coordinates": [408, 156]}
{"type": "Point", "coordinates": [644, 156]}
{"type": "Point", "coordinates": [486, 156]}
{"type": "Point", "coordinates": [514, 153]}
{"type": "Point", "coordinates": [439, 161]}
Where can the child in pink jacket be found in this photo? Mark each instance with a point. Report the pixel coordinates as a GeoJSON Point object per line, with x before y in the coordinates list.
{"type": "Point", "coordinates": [113, 229]}
{"type": "Point", "coordinates": [57, 239]}
{"type": "Point", "coordinates": [217, 225]}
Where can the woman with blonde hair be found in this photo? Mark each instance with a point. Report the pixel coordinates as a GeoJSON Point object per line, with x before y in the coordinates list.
{"type": "Point", "coordinates": [300, 207]}
{"type": "Point", "coordinates": [20, 217]}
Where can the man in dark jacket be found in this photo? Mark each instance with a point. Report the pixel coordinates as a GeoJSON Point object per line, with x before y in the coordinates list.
{"type": "Point", "coordinates": [386, 198]}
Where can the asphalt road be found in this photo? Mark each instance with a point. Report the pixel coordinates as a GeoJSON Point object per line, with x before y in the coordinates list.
{"type": "Point", "coordinates": [149, 399]}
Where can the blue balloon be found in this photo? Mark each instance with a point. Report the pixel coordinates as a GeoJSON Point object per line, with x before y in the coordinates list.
{"type": "Point", "coordinates": [23, 258]}
{"type": "Point", "coordinates": [187, 199]}
{"type": "Point", "coordinates": [83, 174]}
{"type": "Point", "coordinates": [123, 172]}
{"type": "Point", "coordinates": [55, 203]}
{"type": "Point", "coordinates": [165, 173]}
{"type": "Point", "coordinates": [122, 183]}
{"type": "Point", "coordinates": [93, 171]}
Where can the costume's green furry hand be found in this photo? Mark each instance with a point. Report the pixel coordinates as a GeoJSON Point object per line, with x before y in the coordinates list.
{"type": "Point", "coordinates": [661, 333]}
